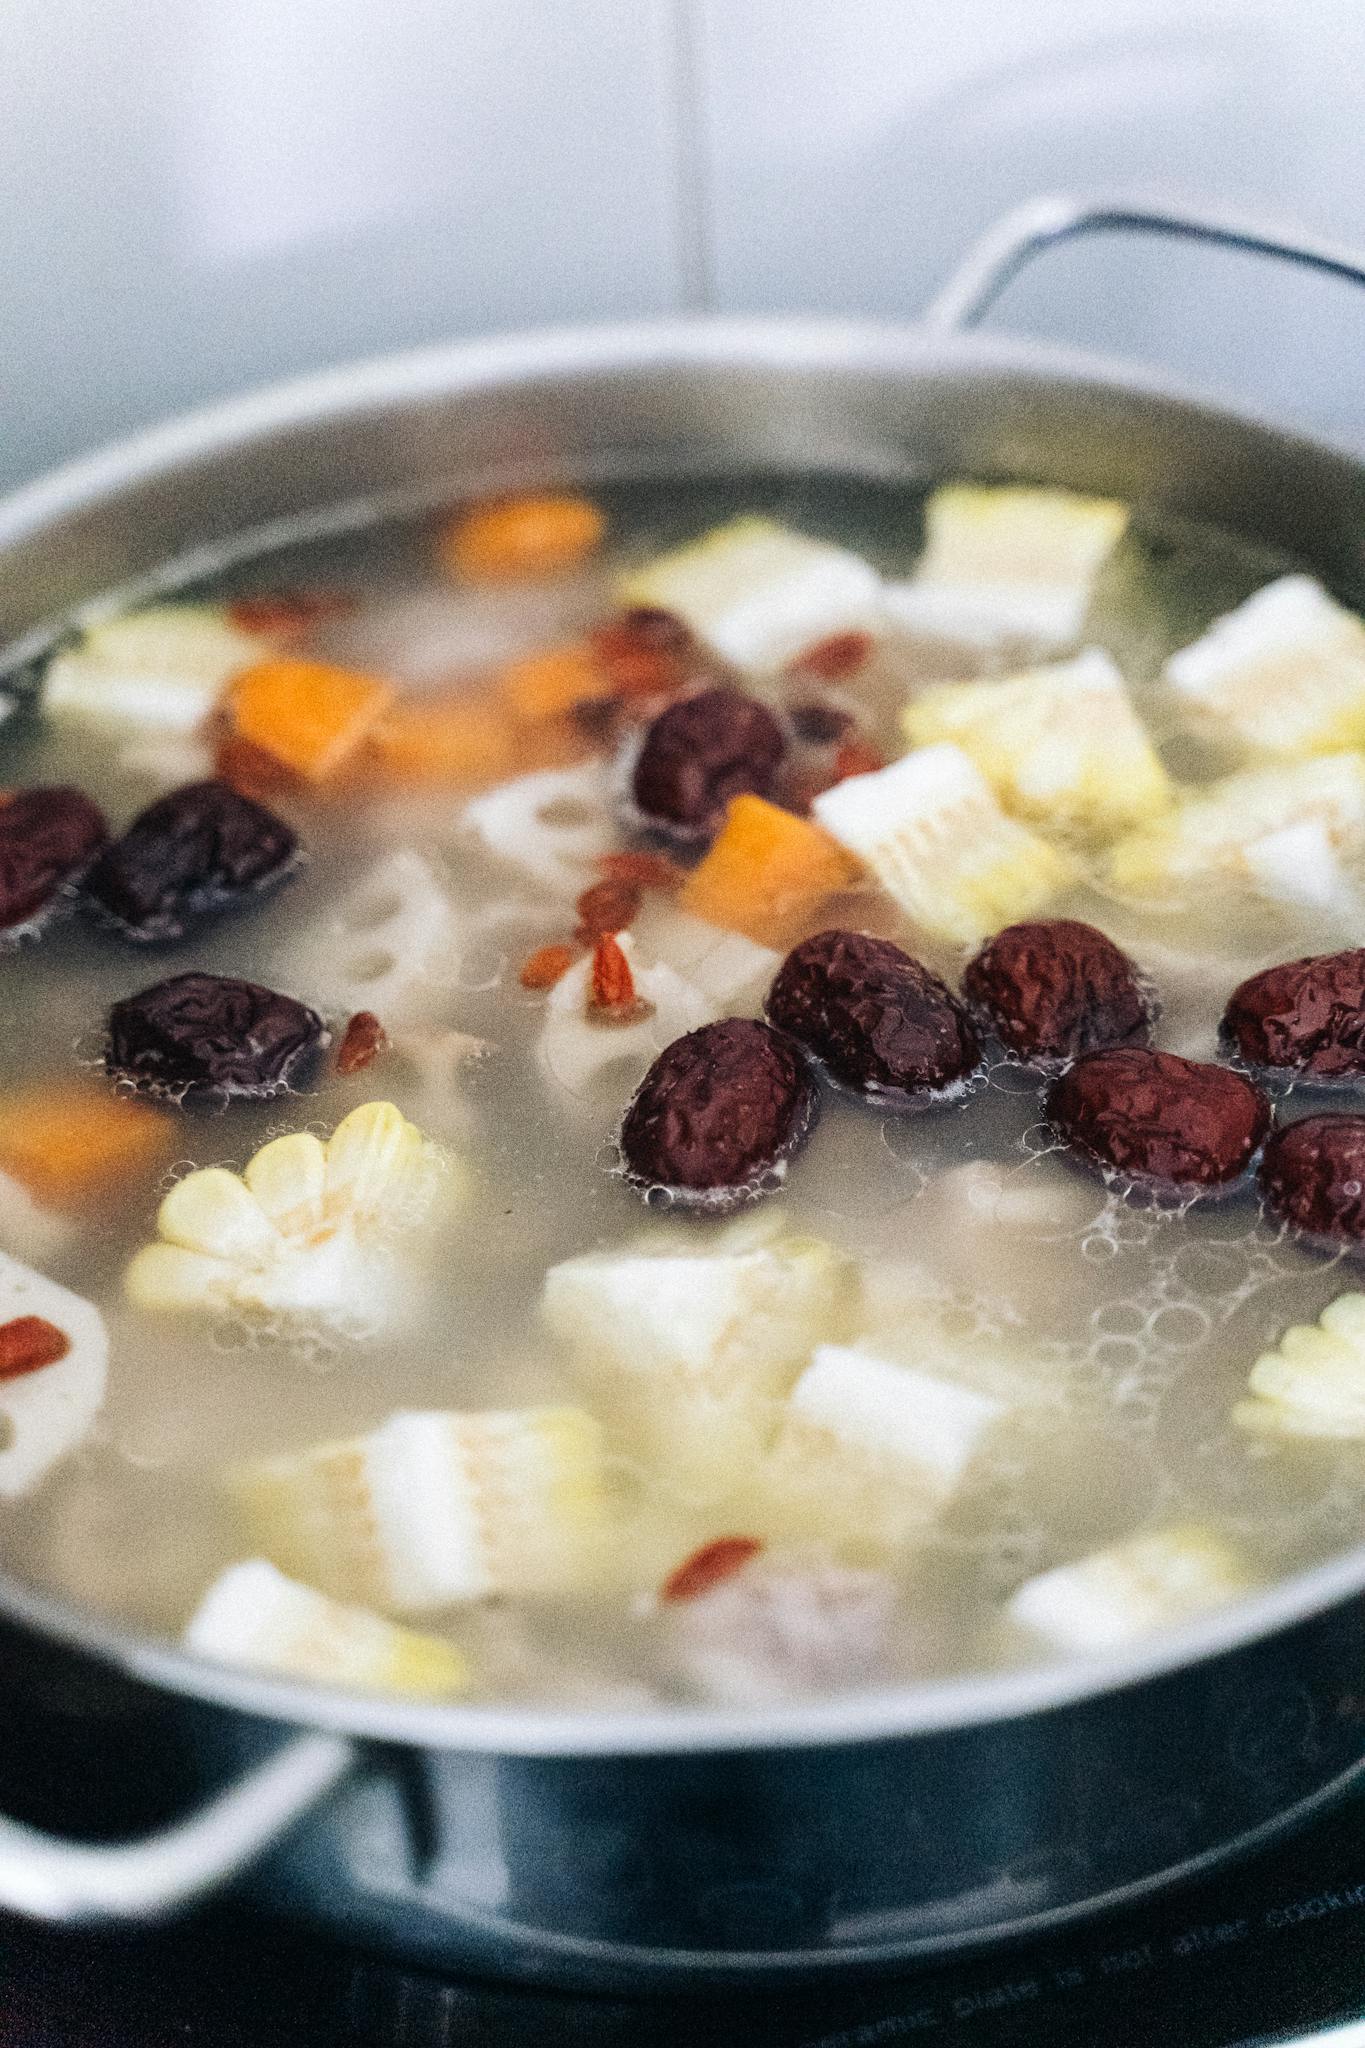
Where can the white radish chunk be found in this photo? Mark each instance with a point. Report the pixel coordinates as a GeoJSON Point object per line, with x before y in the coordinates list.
{"type": "Point", "coordinates": [758, 594]}
{"type": "Point", "coordinates": [1282, 674]}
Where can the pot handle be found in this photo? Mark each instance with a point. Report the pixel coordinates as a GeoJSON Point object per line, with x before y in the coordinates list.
{"type": "Point", "coordinates": [1004, 250]}
{"type": "Point", "coordinates": [92, 1884]}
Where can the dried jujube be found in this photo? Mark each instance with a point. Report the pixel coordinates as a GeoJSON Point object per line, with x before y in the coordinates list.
{"type": "Point", "coordinates": [700, 752]}
{"type": "Point", "coordinates": [1303, 1017]}
{"type": "Point", "coordinates": [48, 837]}
{"type": "Point", "coordinates": [208, 1034]}
{"type": "Point", "coordinates": [877, 1021]}
{"type": "Point", "coordinates": [1163, 1122]}
{"type": "Point", "coordinates": [1054, 988]}
{"type": "Point", "coordinates": [718, 1115]}
{"type": "Point", "coordinates": [192, 854]}
{"type": "Point", "coordinates": [1313, 1177]}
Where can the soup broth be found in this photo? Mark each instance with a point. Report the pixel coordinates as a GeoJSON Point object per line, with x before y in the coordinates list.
{"type": "Point", "coordinates": [1113, 1327]}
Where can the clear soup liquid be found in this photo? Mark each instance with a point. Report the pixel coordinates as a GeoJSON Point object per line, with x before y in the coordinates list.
{"type": "Point", "coordinates": [1136, 1324]}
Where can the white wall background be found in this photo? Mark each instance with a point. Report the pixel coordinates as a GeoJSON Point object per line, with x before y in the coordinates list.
{"type": "Point", "coordinates": [197, 197]}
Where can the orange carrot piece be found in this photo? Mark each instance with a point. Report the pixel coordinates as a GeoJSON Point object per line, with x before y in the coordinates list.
{"type": "Point", "coordinates": [460, 741]}
{"type": "Point", "coordinates": [447, 741]}
{"type": "Point", "coordinates": [307, 714]}
{"type": "Point", "coordinates": [766, 873]}
{"type": "Point", "coordinates": [552, 684]}
{"type": "Point", "coordinates": [70, 1144]}
{"type": "Point", "coordinates": [521, 537]}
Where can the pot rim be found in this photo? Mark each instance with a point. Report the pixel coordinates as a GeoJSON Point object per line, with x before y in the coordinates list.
{"type": "Point", "coordinates": [741, 341]}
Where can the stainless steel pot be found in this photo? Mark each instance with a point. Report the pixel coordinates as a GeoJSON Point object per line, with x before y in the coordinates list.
{"type": "Point", "coordinates": [689, 1845]}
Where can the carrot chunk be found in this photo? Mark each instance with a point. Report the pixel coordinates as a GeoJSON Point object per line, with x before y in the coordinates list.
{"type": "Point", "coordinates": [553, 684]}
{"type": "Point", "coordinates": [307, 714]}
{"type": "Point", "coordinates": [521, 537]}
{"type": "Point", "coordinates": [460, 741]}
{"type": "Point", "coordinates": [69, 1144]}
{"type": "Point", "coordinates": [447, 740]}
{"type": "Point", "coordinates": [766, 873]}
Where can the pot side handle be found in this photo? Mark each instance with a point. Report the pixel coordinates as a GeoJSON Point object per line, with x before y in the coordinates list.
{"type": "Point", "coordinates": [91, 1885]}
{"type": "Point", "coordinates": [1008, 247]}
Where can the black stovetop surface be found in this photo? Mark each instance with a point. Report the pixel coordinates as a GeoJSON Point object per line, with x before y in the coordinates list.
{"type": "Point", "coordinates": [1271, 1948]}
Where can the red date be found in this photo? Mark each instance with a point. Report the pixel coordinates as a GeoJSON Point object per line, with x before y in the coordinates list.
{"type": "Point", "coordinates": [48, 837]}
{"type": "Point", "coordinates": [717, 1117]}
{"type": "Point", "coordinates": [209, 1035]}
{"type": "Point", "coordinates": [699, 753]}
{"type": "Point", "coordinates": [877, 1021]}
{"type": "Point", "coordinates": [1055, 988]}
{"type": "Point", "coordinates": [1173, 1125]}
{"type": "Point", "coordinates": [202, 850]}
{"type": "Point", "coordinates": [1305, 1017]}
{"type": "Point", "coordinates": [1313, 1177]}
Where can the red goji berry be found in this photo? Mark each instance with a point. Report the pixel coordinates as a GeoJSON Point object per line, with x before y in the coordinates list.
{"type": "Point", "coordinates": [710, 1566]}
{"type": "Point", "coordinates": [29, 1343]}
{"type": "Point", "coordinates": [362, 1042]}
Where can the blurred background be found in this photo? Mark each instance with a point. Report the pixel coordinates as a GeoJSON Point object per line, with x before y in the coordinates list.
{"type": "Point", "coordinates": [204, 195]}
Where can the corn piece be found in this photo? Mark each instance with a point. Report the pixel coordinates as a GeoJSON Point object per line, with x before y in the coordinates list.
{"type": "Point", "coordinates": [1283, 674]}
{"type": "Point", "coordinates": [69, 1144]}
{"type": "Point", "coordinates": [1234, 832]}
{"type": "Point", "coordinates": [308, 714]}
{"type": "Point", "coordinates": [157, 671]}
{"type": "Point", "coordinates": [929, 827]}
{"type": "Point", "coordinates": [553, 826]}
{"type": "Point", "coordinates": [1144, 1583]}
{"type": "Point", "coordinates": [759, 595]}
{"type": "Point", "coordinates": [1313, 1383]}
{"type": "Point", "coordinates": [1061, 746]}
{"type": "Point", "coordinates": [1007, 566]}
{"type": "Point", "coordinates": [690, 1348]}
{"type": "Point", "coordinates": [253, 1616]}
{"type": "Point", "coordinates": [431, 1508]}
{"type": "Point", "coordinates": [518, 538]}
{"type": "Point", "coordinates": [306, 1233]}
{"type": "Point", "coordinates": [766, 874]}
{"type": "Point", "coordinates": [46, 1412]}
